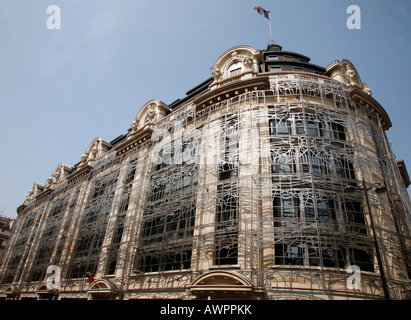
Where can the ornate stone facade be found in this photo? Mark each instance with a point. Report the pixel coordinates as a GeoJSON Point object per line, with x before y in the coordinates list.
{"type": "Point", "coordinates": [242, 189]}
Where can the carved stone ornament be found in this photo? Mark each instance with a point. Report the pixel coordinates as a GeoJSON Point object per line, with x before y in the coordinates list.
{"type": "Point", "coordinates": [248, 63]}
{"type": "Point", "coordinates": [149, 114]}
{"type": "Point", "coordinates": [35, 190]}
{"type": "Point", "coordinates": [134, 125]}
{"type": "Point", "coordinates": [50, 182]}
{"type": "Point", "coordinates": [366, 89]}
{"type": "Point", "coordinates": [216, 72]}
{"type": "Point", "coordinates": [58, 175]}
{"type": "Point", "coordinates": [84, 158]}
{"type": "Point", "coordinates": [248, 56]}
{"type": "Point", "coordinates": [350, 76]}
{"type": "Point", "coordinates": [30, 195]}
{"type": "Point", "coordinates": [96, 148]}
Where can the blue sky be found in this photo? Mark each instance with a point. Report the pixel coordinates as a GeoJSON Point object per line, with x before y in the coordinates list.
{"type": "Point", "coordinates": [60, 89]}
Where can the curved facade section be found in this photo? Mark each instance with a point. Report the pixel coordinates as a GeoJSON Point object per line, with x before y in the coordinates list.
{"type": "Point", "coordinates": [259, 184]}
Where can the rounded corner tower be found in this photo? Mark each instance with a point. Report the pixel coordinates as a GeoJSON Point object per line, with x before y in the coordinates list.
{"type": "Point", "coordinates": [272, 179]}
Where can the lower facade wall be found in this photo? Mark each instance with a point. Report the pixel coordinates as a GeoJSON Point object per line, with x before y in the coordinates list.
{"type": "Point", "coordinates": [222, 284]}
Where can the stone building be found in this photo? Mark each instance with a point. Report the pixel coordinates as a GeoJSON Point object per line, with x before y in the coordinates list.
{"type": "Point", "coordinates": [5, 230]}
{"type": "Point", "coordinates": [272, 179]}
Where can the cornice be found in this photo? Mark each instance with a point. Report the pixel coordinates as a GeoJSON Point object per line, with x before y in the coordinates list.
{"type": "Point", "coordinates": [230, 89]}
{"type": "Point", "coordinates": [80, 172]}
{"type": "Point", "coordinates": [368, 101]}
{"type": "Point", "coordinates": [403, 172]}
{"type": "Point", "coordinates": [134, 140]}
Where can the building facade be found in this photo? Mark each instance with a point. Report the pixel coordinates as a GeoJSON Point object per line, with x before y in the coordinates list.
{"type": "Point", "coordinates": [5, 230]}
{"type": "Point", "coordinates": [272, 179]}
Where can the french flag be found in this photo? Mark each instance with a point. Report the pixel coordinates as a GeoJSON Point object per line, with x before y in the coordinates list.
{"type": "Point", "coordinates": [264, 13]}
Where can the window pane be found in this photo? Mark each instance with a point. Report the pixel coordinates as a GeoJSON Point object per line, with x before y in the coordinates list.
{"type": "Point", "coordinates": [283, 127]}
{"type": "Point", "coordinates": [338, 131]}
{"type": "Point", "coordinates": [316, 164]}
{"type": "Point", "coordinates": [311, 129]}
{"type": "Point", "coordinates": [235, 69]}
{"type": "Point", "coordinates": [299, 127]}
{"type": "Point", "coordinates": [285, 164]}
{"type": "Point", "coordinates": [309, 211]}
{"type": "Point", "coordinates": [305, 163]}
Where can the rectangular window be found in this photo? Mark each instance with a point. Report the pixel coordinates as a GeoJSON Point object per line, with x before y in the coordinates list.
{"type": "Point", "coordinates": [305, 163]}
{"type": "Point", "coordinates": [334, 258]}
{"type": "Point", "coordinates": [226, 235]}
{"type": "Point", "coordinates": [283, 164]}
{"type": "Point", "coordinates": [125, 198]}
{"type": "Point", "coordinates": [355, 216]}
{"type": "Point", "coordinates": [309, 210]}
{"type": "Point", "coordinates": [113, 250]}
{"type": "Point", "coordinates": [345, 169]}
{"type": "Point", "coordinates": [288, 254]}
{"type": "Point", "coordinates": [275, 69]}
{"type": "Point", "coordinates": [311, 128]}
{"type": "Point", "coordinates": [286, 212]}
{"type": "Point", "coordinates": [57, 207]}
{"type": "Point", "coordinates": [362, 258]}
{"type": "Point", "coordinates": [299, 127]}
{"type": "Point", "coordinates": [131, 171]}
{"type": "Point", "coordinates": [164, 260]}
{"type": "Point", "coordinates": [321, 129]}
{"type": "Point", "coordinates": [283, 127]}
{"type": "Point", "coordinates": [325, 210]}
{"type": "Point", "coordinates": [93, 227]}
{"type": "Point", "coordinates": [280, 127]}
{"type": "Point", "coordinates": [235, 72]}
{"type": "Point", "coordinates": [229, 142]}
{"type": "Point", "coordinates": [228, 171]}
{"type": "Point", "coordinates": [338, 131]}
{"type": "Point", "coordinates": [166, 241]}
{"type": "Point", "coordinates": [317, 165]}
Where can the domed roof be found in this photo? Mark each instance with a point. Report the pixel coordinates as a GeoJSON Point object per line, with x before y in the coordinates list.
{"type": "Point", "coordinates": [275, 59]}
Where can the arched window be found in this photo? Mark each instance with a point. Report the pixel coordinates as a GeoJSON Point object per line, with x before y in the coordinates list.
{"type": "Point", "coordinates": [235, 69]}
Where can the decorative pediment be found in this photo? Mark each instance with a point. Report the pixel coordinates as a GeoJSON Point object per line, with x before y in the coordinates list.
{"type": "Point", "coordinates": [102, 287]}
{"type": "Point", "coordinates": [59, 175]}
{"type": "Point", "coordinates": [150, 113]}
{"type": "Point", "coordinates": [11, 289]}
{"type": "Point", "coordinates": [221, 281]}
{"type": "Point", "coordinates": [345, 72]}
{"type": "Point", "coordinates": [42, 288]}
{"type": "Point", "coordinates": [142, 125]}
{"type": "Point", "coordinates": [97, 148]}
{"type": "Point", "coordinates": [34, 192]}
{"type": "Point", "coordinates": [237, 63]}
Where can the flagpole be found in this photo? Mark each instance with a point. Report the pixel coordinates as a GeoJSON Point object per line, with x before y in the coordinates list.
{"type": "Point", "coordinates": [269, 19]}
{"type": "Point", "coordinates": [267, 15]}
